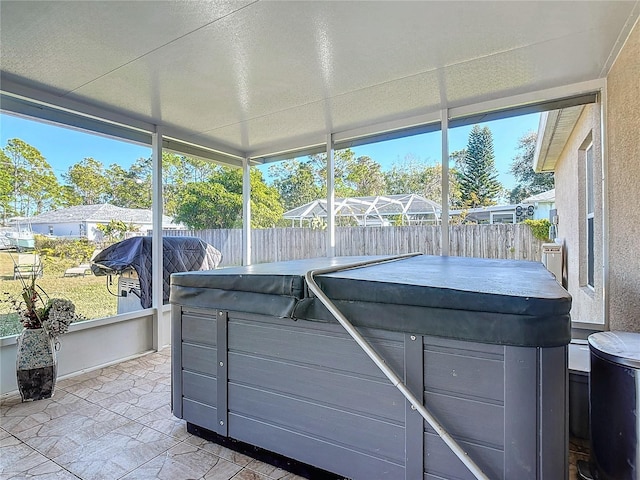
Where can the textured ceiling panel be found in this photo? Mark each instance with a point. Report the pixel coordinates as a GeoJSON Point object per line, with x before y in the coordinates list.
{"type": "Point", "coordinates": [251, 75]}
{"type": "Point", "coordinates": [408, 96]}
{"type": "Point", "coordinates": [64, 45]}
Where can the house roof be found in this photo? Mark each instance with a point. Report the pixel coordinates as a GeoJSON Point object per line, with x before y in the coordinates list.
{"type": "Point", "coordinates": [545, 197]}
{"type": "Point", "coordinates": [257, 78]}
{"type": "Point", "coordinates": [553, 132]}
{"type": "Point", "coordinates": [100, 213]}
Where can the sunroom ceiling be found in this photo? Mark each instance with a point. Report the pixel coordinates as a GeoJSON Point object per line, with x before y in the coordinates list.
{"type": "Point", "coordinates": [257, 77]}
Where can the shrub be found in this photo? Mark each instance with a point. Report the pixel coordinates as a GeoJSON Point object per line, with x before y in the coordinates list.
{"type": "Point", "coordinates": [539, 228]}
{"type": "Point", "coordinates": [58, 254]}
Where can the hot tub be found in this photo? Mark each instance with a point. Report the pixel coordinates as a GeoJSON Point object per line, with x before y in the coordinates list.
{"type": "Point", "coordinates": [483, 343]}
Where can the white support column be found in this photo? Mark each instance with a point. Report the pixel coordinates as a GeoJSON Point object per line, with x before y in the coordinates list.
{"type": "Point", "coordinates": [331, 197]}
{"type": "Point", "coordinates": [444, 219]}
{"type": "Point", "coordinates": [246, 212]}
{"type": "Point", "coordinates": [156, 245]}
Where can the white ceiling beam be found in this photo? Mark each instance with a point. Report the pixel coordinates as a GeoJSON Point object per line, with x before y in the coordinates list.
{"type": "Point", "coordinates": [515, 102]}
{"type": "Point", "coordinates": [13, 88]}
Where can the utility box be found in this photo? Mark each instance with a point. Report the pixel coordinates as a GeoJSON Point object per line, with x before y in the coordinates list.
{"type": "Point", "coordinates": [552, 259]}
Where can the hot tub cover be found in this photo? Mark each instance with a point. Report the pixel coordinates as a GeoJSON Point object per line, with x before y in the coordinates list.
{"type": "Point", "coordinates": [504, 302]}
{"type": "Point", "coordinates": [180, 254]}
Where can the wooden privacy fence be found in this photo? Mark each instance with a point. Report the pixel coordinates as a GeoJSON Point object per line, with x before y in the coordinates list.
{"type": "Point", "coordinates": [511, 241]}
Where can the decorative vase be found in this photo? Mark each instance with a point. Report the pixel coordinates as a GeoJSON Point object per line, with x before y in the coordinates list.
{"type": "Point", "coordinates": [36, 364]}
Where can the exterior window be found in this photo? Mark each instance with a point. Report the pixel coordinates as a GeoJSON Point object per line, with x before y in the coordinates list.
{"type": "Point", "coordinates": [590, 207]}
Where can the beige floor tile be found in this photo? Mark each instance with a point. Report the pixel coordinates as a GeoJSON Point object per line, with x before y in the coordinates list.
{"type": "Point", "coordinates": [163, 421]}
{"type": "Point", "coordinates": [185, 462]}
{"type": "Point", "coordinates": [45, 471]}
{"type": "Point", "coordinates": [16, 457]}
{"type": "Point", "coordinates": [271, 472]}
{"type": "Point", "coordinates": [219, 450]}
{"type": "Point", "coordinates": [72, 432]}
{"type": "Point", "coordinates": [18, 417]}
{"type": "Point", "coordinates": [116, 453]}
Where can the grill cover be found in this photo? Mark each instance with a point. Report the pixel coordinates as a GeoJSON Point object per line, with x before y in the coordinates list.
{"type": "Point", "coordinates": [180, 254]}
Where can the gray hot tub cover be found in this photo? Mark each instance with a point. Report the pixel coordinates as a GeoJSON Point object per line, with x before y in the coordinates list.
{"type": "Point", "coordinates": [180, 254]}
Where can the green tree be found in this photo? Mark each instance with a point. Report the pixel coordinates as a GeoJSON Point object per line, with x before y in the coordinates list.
{"type": "Point", "coordinates": [528, 182]}
{"type": "Point", "coordinates": [295, 181]}
{"type": "Point", "coordinates": [114, 230]}
{"type": "Point", "coordinates": [364, 176]}
{"type": "Point", "coordinates": [418, 177]}
{"type": "Point", "coordinates": [178, 171]}
{"type": "Point", "coordinates": [478, 177]}
{"type": "Point", "coordinates": [217, 202]}
{"type": "Point", "coordinates": [300, 182]}
{"type": "Point", "coordinates": [88, 180]}
{"type": "Point", "coordinates": [6, 187]}
{"type": "Point", "coordinates": [130, 188]}
{"type": "Point", "coordinates": [34, 187]}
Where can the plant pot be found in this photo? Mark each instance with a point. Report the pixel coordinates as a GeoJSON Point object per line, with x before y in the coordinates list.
{"type": "Point", "coordinates": [36, 364]}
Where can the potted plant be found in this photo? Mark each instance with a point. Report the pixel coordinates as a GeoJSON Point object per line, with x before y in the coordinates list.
{"type": "Point", "coordinates": [44, 320]}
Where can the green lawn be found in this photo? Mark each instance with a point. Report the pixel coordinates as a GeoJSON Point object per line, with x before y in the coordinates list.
{"type": "Point", "coordinates": [88, 293]}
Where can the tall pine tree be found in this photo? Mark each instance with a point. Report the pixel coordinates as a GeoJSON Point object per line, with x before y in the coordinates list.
{"type": "Point", "coordinates": [479, 183]}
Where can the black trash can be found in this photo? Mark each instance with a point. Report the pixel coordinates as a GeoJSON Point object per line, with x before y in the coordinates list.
{"type": "Point", "coordinates": [614, 399]}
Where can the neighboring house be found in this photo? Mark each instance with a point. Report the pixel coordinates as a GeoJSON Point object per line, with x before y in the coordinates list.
{"type": "Point", "coordinates": [543, 203]}
{"type": "Point", "coordinates": [495, 213]}
{"type": "Point", "coordinates": [82, 221]}
{"type": "Point", "coordinates": [596, 196]}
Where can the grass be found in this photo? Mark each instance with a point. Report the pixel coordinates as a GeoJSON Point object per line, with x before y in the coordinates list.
{"type": "Point", "coordinates": [88, 293]}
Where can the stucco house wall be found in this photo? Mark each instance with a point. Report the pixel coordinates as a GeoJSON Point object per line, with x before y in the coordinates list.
{"type": "Point", "coordinates": [620, 302]}
{"type": "Point", "coordinates": [623, 134]}
{"type": "Point", "coordinates": [570, 176]}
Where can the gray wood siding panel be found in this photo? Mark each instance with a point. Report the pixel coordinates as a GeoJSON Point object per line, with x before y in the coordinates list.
{"type": "Point", "coordinates": [554, 420]}
{"type": "Point", "coordinates": [326, 387]}
{"type": "Point", "coordinates": [461, 347]}
{"type": "Point", "coordinates": [334, 351]}
{"type": "Point", "coordinates": [199, 414]}
{"type": "Point", "coordinates": [520, 411]}
{"type": "Point", "coordinates": [199, 328]}
{"type": "Point", "coordinates": [414, 432]}
{"type": "Point", "coordinates": [374, 437]}
{"type": "Point", "coordinates": [467, 376]}
{"type": "Point", "coordinates": [197, 358]}
{"type": "Point", "coordinates": [441, 462]}
{"type": "Point", "coordinates": [474, 421]}
{"type": "Point", "coordinates": [339, 459]}
{"type": "Point", "coordinates": [201, 388]}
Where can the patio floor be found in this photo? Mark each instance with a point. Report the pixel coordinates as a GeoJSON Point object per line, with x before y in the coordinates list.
{"type": "Point", "coordinates": [116, 423]}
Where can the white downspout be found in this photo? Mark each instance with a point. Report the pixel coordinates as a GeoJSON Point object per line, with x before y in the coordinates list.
{"type": "Point", "coordinates": [604, 155]}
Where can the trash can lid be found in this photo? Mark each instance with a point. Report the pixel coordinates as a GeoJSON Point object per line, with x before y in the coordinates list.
{"type": "Point", "coordinates": [618, 347]}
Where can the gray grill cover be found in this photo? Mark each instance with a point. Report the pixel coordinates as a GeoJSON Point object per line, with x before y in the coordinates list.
{"type": "Point", "coordinates": [180, 254]}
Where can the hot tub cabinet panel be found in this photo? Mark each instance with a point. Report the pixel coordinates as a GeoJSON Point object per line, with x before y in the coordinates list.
{"type": "Point", "coordinates": [303, 388]}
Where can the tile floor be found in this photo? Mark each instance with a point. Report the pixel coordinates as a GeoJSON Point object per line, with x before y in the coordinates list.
{"type": "Point", "coordinates": [116, 423]}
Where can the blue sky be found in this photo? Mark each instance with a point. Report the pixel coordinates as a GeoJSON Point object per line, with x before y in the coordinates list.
{"type": "Point", "coordinates": [63, 147]}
